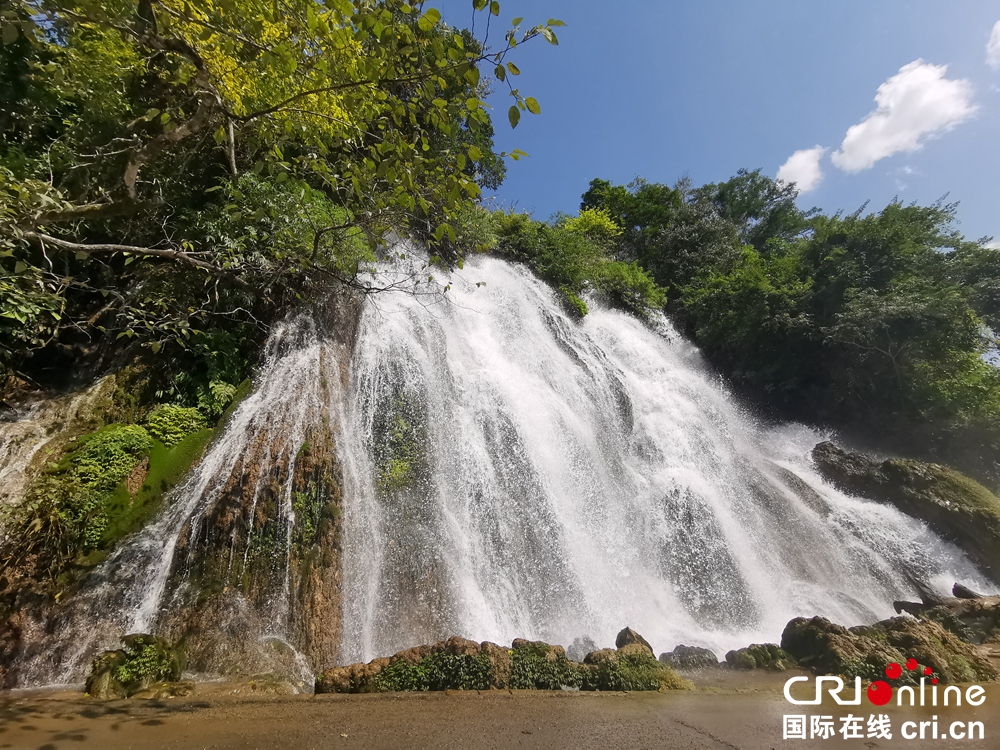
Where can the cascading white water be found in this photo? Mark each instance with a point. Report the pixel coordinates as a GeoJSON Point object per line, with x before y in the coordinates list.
{"type": "Point", "coordinates": [566, 479]}
{"type": "Point", "coordinates": [511, 472]}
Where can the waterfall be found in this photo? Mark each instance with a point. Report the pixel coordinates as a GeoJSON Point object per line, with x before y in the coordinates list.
{"type": "Point", "coordinates": [566, 479]}
{"type": "Point", "coordinates": [495, 469]}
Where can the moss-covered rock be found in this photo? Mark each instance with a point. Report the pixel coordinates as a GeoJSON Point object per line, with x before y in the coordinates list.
{"type": "Point", "coordinates": [767, 656]}
{"type": "Point", "coordinates": [689, 657]}
{"type": "Point", "coordinates": [460, 664]}
{"type": "Point", "coordinates": [972, 620]}
{"type": "Point", "coordinates": [627, 636]}
{"type": "Point", "coordinates": [864, 651]}
{"type": "Point", "coordinates": [956, 507]}
{"type": "Point", "coordinates": [144, 661]}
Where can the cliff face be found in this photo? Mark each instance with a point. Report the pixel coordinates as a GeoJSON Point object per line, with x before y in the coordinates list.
{"type": "Point", "coordinates": [958, 508]}
{"type": "Point", "coordinates": [242, 560]}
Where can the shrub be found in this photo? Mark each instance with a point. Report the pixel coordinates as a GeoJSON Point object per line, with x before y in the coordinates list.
{"type": "Point", "coordinates": [170, 424]}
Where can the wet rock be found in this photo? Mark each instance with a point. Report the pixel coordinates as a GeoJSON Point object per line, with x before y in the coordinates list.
{"type": "Point", "coordinates": [956, 507]}
{"type": "Point", "coordinates": [601, 656]}
{"type": "Point", "coordinates": [864, 651]}
{"type": "Point", "coordinates": [144, 661]}
{"type": "Point", "coordinates": [973, 617]}
{"type": "Point", "coordinates": [628, 636]}
{"type": "Point", "coordinates": [689, 657]}
{"type": "Point", "coordinates": [767, 656]}
{"type": "Point", "coordinates": [580, 647]}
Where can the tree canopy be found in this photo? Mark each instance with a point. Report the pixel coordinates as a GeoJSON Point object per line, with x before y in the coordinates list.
{"type": "Point", "coordinates": [175, 174]}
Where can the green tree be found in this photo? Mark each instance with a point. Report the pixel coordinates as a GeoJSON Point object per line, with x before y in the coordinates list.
{"type": "Point", "coordinates": [170, 172]}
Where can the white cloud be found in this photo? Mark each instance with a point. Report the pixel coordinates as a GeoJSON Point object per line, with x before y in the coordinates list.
{"type": "Point", "coordinates": [915, 104]}
{"type": "Point", "coordinates": [995, 245]}
{"type": "Point", "coordinates": [803, 168]}
{"type": "Point", "coordinates": [993, 47]}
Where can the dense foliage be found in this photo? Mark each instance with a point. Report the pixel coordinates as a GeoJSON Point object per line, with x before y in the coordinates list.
{"type": "Point", "coordinates": [173, 176]}
{"type": "Point", "coordinates": [574, 255]}
{"type": "Point", "coordinates": [881, 324]}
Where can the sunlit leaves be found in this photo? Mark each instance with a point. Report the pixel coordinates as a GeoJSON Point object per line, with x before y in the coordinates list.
{"type": "Point", "coordinates": [429, 19]}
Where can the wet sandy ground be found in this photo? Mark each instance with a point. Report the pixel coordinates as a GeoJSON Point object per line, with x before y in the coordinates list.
{"type": "Point", "coordinates": [725, 711]}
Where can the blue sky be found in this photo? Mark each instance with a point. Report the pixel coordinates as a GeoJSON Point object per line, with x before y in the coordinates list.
{"type": "Point", "coordinates": [705, 87]}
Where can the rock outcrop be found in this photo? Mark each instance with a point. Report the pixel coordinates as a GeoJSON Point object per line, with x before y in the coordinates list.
{"type": "Point", "coordinates": [461, 664]}
{"type": "Point", "coordinates": [973, 617]}
{"type": "Point", "coordinates": [864, 651]}
{"type": "Point", "coordinates": [627, 636]}
{"type": "Point", "coordinates": [956, 507]}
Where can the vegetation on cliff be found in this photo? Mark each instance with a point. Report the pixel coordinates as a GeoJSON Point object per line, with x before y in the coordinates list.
{"type": "Point", "coordinates": [877, 324]}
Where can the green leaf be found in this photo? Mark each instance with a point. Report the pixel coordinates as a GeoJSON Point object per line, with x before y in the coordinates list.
{"type": "Point", "coordinates": [550, 35]}
{"type": "Point", "coordinates": [532, 105]}
{"type": "Point", "coordinates": [500, 73]}
{"type": "Point", "coordinates": [155, 346]}
{"type": "Point", "coordinates": [472, 103]}
{"type": "Point", "coordinates": [514, 115]}
{"type": "Point", "coordinates": [20, 267]}
{"type": "Point", "coordinates": [475, 153]}
{"type": "Point", "coordinates": [556, 22]}
{"type": "Point", "coordinates": [429, 19]}
{"type": "Point", "coordinates": [10, 33]}
{"type": "Point", "coordinates": [479, 4]}
{"type": "Point", "coordinates": [516, 21]}
{"type": "Point", "coordinates": [514, 70]}
{"type": "Point", "coordinates": [495, 8]}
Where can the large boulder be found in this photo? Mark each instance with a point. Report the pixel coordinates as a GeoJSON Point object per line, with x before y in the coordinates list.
{"type": "Point", "coordinates": [865, 651]}
{"type": "Point", "coordinates": [956, 507]}
{"type": "Point", "coordinates": [689, 657]}
{"type": "Point", "coordinates": [628, 636]}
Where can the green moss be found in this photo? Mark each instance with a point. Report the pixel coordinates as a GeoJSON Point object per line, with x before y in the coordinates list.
{"type": "Point", "coordinates": [768, 656]}
{"type": "Point", "coordinates": [171, 424]}
{"type": "Point", "coordinates": [947, 484]}
{"type": "Point", "coordinates": [167, 467]}
{"type": "Point", "coordinates": [80, 506]}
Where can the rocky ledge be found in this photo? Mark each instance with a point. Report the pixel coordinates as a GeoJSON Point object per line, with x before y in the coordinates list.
{"type": "Point", "coordinates": [955, 506]}
{"type": "Point", "coordinates": [460, 664]}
